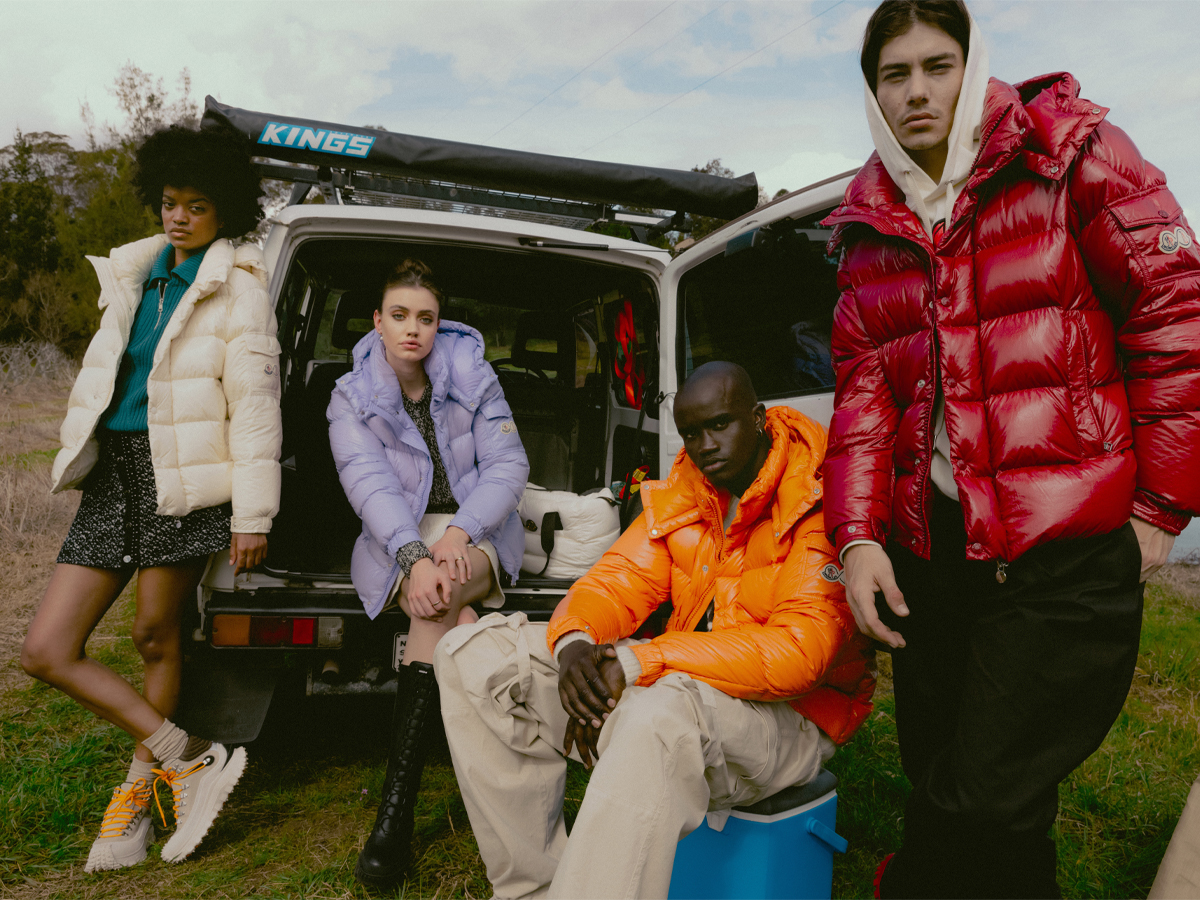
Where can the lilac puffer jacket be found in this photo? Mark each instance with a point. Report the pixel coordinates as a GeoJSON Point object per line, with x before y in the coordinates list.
{"type": "Point", "coordinates": [386, 470]}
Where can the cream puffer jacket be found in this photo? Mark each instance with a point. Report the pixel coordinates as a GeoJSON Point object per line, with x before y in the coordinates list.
{"type": "Point", "coordinates": [213, 415]}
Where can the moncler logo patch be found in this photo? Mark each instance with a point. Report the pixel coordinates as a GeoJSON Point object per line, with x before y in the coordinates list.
{"type": "Point", "coordinates": [831, 573]}
{"type": "Point", "coordinates": [507, 427]}
{"type": "Point", "coordinates": [269, 368]}
{"type": "Point", "coordinates": [1172, 239]}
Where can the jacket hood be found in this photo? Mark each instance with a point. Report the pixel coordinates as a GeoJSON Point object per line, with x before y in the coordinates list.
{"type": "Point", "coordinates": [933, 202]}
{"type": "Point", "coordinates": [249, 258]}
{"type": "Point", "coordinates": [789, 480]}
{"type": "Point", "coordinates": [455, 366]}
{"type": "Point", "coordinates": [1042, 123]}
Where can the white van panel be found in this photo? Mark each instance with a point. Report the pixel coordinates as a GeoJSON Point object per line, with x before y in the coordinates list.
{"type": "Point", "coordinates": [818, 407]}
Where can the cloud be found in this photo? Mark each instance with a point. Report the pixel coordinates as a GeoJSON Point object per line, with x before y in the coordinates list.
{"type": "Point", "coordinates": [473, 71]}
{"type": "Point", "coordinates": [804, 168]}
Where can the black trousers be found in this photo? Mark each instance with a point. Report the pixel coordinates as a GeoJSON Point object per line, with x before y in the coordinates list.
{"type": "Point", "coordinates": [1001, 691]}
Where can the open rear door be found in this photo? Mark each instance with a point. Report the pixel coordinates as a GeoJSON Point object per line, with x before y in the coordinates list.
{"type": "Point", "coordinates": [759, 292]}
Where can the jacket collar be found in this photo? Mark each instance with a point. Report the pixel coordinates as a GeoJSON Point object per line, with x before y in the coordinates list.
{"type": "Point", "coordinates": [787, 486]}
{"type": "Point", "coordinates": [1040, 122]}
{"type": "Point", "coordinates": [129, 266]}
{"type": "Point", "coordinates": [185, 271]}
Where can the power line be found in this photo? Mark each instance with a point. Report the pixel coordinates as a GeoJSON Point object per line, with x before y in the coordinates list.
{"type": "Point", "coordinates": [584, 69]}
{"type": "Point", "coordinates": [714, 77]}
{"type": "Point", "coordinates": [634, 65]}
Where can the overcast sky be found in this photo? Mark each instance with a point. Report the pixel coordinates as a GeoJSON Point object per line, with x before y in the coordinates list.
{"type": "Point", "coordinates": [768, 87]}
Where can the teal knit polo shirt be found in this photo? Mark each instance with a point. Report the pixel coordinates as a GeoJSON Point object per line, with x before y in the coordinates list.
{"type": "Point", "coordinates": [160, 295]}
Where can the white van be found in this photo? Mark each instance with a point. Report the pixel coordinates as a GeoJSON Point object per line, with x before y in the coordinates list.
{"type": "Point", "coordinates": [590, 336]}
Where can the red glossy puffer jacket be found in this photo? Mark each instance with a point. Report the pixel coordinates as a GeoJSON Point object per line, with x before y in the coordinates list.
{"type": "Point", "coordinates": [781, 628]}
{"type": "Point", "coordinates": [1063, 304]}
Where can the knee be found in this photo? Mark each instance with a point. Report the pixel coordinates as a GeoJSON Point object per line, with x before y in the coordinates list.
{"type": "Point", "coordinates": [155, 641]}
{"type": "Point", "coordinates": [664, 713]}
{"type": "Point", "coordinates": [469, 660]}
{"type": "Point", "coordinates": [42, 660]}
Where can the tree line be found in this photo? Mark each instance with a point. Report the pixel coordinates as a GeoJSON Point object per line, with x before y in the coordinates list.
{"type": "Point", "coordinates": [59, 203]}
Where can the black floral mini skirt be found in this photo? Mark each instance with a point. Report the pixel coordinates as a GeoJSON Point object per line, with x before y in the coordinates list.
{"type": "Point", "coordinates": [117, 526]}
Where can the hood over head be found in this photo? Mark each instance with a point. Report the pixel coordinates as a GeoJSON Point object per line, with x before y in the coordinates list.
{"type": "Point", "coordinates": [933, 202]}
{"type": "Point", "coordinates": [456, 367]}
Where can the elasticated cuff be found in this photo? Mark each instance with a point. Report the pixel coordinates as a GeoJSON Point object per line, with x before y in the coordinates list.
{"type": "Point", "coordinates": [571, 637]}
{"type": "Point", "coordinates": [842, 555]}
{"type": "Point", "coordinates": [1169, 520]}
{"type": "Point", "coordinates": [408, 555]}
{"type": "Point", "coordinates": [250, 524]}
{"type": "Point", "coordinates": [630, 663]}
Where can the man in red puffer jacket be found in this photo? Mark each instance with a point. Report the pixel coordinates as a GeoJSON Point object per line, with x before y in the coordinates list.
{"type": "Point", "coordinates": [1016, 435]}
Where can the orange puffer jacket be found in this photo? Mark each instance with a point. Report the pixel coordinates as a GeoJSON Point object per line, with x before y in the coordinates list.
{"type": "Point", "coordinates": [781, 626]}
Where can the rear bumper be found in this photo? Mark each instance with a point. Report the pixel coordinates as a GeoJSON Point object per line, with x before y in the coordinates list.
{"type": "Point", "coordinates": [227, 690]}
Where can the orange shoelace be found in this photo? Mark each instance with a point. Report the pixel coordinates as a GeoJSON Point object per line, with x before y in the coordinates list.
{"type": "Point", "coordinates": [174, 779]}
{"type": "Point", "coordinates": [127, 803]}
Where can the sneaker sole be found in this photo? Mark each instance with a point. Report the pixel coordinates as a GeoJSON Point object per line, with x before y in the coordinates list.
{"type": "Point", "coordinates": [102, 859]}
{"type": "Point", "coordinates": [188, 838]}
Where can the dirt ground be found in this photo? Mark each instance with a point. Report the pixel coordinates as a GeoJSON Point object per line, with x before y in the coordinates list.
{"type": "Point", "coordinates": [32, 521]}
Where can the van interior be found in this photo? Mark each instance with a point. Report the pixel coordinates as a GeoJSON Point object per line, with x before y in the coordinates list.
{"type": "Point", "coordinates": [572, 341]}
{"type": "Point", "coordinates": [767, 304]}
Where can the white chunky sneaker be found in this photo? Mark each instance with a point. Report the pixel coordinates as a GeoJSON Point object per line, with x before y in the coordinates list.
{"type": "Point", "coordinates": [126, 831]}
{"type": "Point", "coordinates": [199, 787]}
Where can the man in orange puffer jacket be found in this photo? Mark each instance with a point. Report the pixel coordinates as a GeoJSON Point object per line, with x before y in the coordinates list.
{"type": "Point", "coordinates": [760, 671]}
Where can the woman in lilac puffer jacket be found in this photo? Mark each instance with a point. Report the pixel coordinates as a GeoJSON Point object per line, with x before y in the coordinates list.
{"type": "Point", "coordinates": [430, 459]}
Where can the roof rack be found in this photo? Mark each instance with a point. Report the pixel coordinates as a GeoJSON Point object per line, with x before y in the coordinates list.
{"type": "Point", "coordinates": [383, 168]}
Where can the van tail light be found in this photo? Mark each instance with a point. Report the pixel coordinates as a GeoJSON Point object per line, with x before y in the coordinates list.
{"type": "Point", "coordinates": [268, 631]}
{"type": "Point", "coordinates": [263, 631]}
{"type": "Point", "coordinates": [303, 631]}
{"type": "Point", "coordinates": [231, 631]}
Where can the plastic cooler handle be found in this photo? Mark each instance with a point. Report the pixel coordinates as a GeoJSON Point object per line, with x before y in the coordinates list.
{"type": "Point", "coordinates": [823, 832]}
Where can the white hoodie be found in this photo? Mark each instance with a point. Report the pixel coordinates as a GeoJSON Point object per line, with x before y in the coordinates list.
{"type": "Point", "coordinates": [935, 202]}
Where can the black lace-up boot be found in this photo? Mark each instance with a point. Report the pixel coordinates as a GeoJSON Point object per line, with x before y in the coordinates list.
{"type": "Point", "coordinates": [384, 859]}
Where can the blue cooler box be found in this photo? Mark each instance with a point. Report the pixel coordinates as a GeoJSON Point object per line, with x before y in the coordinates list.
{"type": "Point", "coordinates": [781, 847]}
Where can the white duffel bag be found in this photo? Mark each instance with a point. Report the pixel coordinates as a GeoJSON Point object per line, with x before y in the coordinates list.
{"type": "Point", "coordinates": [565, 533]}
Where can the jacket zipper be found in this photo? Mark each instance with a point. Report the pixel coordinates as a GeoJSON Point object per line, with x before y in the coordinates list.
{"type": "Point", "coordinates": [1001, 565]}
{"type": "Point", "coordinates": [162, 291]}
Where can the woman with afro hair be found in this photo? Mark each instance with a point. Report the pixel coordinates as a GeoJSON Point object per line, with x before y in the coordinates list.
{"type": "Point", "coordinates": [173, 433]}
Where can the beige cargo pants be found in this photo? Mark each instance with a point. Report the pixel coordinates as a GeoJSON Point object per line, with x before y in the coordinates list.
{"type": "Point", "coordinates": [1179, 873]}
{"type": "Point", "coordinates": [669, 754]}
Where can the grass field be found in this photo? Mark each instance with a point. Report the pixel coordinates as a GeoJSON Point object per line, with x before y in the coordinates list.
{"type": "Point", "coordinates": [293, 826]}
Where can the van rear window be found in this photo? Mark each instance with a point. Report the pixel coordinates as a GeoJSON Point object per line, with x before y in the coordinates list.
{"type": "Point", "coordinates": [768, 308]}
